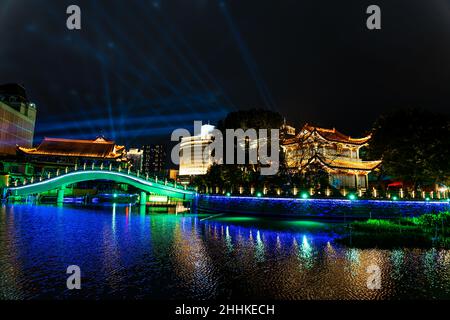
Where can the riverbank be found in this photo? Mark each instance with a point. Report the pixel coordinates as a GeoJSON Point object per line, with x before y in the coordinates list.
{"type": "Point", "coordinates": [425, 231]}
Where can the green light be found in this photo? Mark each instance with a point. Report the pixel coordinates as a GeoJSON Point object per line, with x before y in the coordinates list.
{"type": "Point", "coordinates": [351, 196]}
{"type": "Point", "coordinates": [394, 198]}
{"type": "Point", "coordinates": [228, 194]}
{"type": "Point", "coordinates": [259, 194]}
{"type": "Point", "coordinates": [427, 199]}
{"type": "Point", "coordinates": [155, 198]}
{"type": "Point", "coordinates": [115, 195]}
{"type": "Point", "coordinates": [236, 219]}
{"type": "Point", "coordinates": [304, 195]}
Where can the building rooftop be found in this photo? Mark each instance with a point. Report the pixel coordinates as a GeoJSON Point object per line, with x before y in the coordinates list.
{"type": "Point", "coordinates": [13, 90]}
{"type": "Point", "coordinates": [98, 148]}
{"type": "Point", "coordinates": [349, 164]}
{"type": "Point", "coordinates": [331, 135]}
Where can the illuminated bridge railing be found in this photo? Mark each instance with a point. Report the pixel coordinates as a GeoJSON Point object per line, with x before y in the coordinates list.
{"type": "Point", "coordinates": [67, 170]}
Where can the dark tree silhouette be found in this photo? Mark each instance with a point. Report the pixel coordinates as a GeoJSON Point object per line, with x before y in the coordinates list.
{"type": "Point", "coordinates": [414, 145]}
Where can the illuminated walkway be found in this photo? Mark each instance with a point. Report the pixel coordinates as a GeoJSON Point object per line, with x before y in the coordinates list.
{"type": "Point", "coordinates": [59, 182]}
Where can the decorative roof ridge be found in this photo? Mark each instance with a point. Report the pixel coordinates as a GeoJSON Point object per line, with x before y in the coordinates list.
{"type": "Point", "coordinates": [97, 140]}
{"type": "Point", "coordinates": [325, 130]}
{"type": "Point", "coordinates": [369, 136]}
{"type": "Point", "coordinates": [25, 149]}
{"type": "Point", "coordinates": [312, 127]}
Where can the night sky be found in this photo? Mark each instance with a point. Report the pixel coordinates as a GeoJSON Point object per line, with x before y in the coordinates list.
{"type": "Point", "coordinates": [139, 69]}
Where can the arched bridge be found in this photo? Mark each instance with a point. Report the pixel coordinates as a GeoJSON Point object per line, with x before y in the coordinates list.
{"type": "Point", "coordinates": [144, 184]}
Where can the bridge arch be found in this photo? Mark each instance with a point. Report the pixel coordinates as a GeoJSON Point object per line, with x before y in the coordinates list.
{"type": "Point", "coordinates": [80, 176]}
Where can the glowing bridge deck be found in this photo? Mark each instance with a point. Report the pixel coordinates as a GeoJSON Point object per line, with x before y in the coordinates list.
{"type": "Point", "coordinates": [144, 184]}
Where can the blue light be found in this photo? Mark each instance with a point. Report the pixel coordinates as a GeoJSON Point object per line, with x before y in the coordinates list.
{"type": "Point", "coordinates": [325, 200]}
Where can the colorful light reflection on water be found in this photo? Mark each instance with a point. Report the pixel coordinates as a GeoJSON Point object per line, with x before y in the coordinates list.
{"type": "Point", "coordinates": [127, 254]}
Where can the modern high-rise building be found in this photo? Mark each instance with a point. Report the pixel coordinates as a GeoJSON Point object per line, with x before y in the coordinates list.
{"type": "Point", "coordinates": [136, 158]}
{"type": "Point", "coordinates": [17, 119]}
{"type": "Point", "coordinates": [154, 159]}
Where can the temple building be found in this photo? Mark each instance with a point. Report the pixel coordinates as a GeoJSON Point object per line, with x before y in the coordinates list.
{"type": "Point", "coordinates": [56, 152]}
{"type": "Point", "coordinates": [334, 152]}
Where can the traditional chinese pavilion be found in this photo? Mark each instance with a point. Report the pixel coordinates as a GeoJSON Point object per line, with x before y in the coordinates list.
{"type": "Point", "coordinates": [337, 153]}
{"type": "Point", "coordinates": [68, 152]}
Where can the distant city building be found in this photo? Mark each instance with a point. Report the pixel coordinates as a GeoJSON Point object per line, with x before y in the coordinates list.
{"type": "Point", "coordinates": [336, 153]}
{"type": "Point", "coordinates": [191, 162]}
{"type": "Point", "coordinates": [55, 152]}
{"type": "Point", "coordinates": [136, 158]}
{"type": "Point", "coordinates": [17, 119]}
{"type": "Point", "coordinates": [154, 159]}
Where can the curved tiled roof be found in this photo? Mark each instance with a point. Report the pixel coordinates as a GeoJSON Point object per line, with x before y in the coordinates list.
{"type": "Point", "coordinates": [349, 165]}
{"type": "Point", "coordinates": [331, 135]}
{"type": "Point", "coordinates": [98, 148]}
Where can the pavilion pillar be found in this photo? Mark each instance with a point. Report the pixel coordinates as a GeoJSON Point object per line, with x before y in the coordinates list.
{"type": "Point", "coordinates": [143, 198]}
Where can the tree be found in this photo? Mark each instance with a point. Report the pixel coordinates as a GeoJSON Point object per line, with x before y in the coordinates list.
{"type": "Point", "coordinates": [251, 119]}
{"type": "Point", "coordinates": [214, 177]}
{"type": "Point", "coordinates": [414, 145]}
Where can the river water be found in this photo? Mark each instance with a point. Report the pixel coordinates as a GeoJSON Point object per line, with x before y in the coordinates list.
{"type": "Point", "coordinates": [123, 253]}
